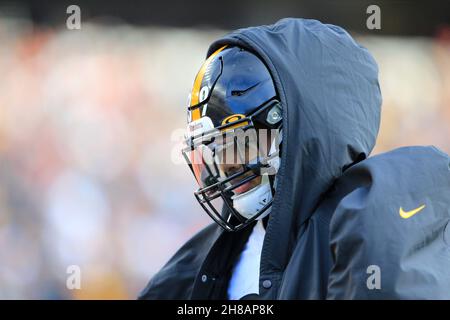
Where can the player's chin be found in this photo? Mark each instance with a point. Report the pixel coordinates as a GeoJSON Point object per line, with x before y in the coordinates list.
{"type": "Point", "coordinates": [247, 186]}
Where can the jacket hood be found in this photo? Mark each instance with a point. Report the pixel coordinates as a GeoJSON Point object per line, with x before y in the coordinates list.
{"type": "Point", "coordinates": [328, 87]}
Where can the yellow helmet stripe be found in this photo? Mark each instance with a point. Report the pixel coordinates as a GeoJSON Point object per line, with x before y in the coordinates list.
{"type": "Point", "coordinates": [198, 82]}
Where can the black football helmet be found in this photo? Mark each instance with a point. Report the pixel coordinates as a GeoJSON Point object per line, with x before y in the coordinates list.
{"type": "Point", "coordinates": [233, 137]}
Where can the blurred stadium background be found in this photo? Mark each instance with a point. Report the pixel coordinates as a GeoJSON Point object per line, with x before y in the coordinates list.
{"type": "Point", "coordinates": [87, 116]}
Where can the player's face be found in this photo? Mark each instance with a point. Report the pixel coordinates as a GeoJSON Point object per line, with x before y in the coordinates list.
{"type": "Point", "coordinates": [251, 151]}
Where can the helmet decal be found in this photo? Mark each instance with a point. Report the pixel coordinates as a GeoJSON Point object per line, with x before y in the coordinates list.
{"type": "Point", "coordinates": [203, 94]}
{"type": "Point", "coordinates": [234, 118]}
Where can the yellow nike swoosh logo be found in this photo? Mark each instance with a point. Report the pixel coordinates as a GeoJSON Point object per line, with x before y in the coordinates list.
{"type": "Point", "coordinates": [409, 214]}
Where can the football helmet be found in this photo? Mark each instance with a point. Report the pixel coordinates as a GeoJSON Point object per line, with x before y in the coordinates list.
{"type": "Point", "coordinates": [232, 144]}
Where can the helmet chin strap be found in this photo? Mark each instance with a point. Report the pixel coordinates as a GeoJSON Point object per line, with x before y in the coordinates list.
{"type": "Point", "coordinates": [249, 203]}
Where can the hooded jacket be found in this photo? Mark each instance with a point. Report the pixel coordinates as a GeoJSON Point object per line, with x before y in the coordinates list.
{"type": "Point", "coordinates": [335, 230]}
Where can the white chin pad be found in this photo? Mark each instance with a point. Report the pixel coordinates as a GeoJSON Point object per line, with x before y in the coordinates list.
{"type": "Point", "coordinates": [249, 203]}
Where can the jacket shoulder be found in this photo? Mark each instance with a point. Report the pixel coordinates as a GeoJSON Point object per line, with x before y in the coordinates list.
{"type": "Point", "coordinates": [402, 177]}
{"type": "Point", "coordinates": [393, 214]}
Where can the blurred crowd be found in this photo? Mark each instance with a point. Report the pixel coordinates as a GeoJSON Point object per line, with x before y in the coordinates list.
{"type": "Point", "coordinates": [87, 148]}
